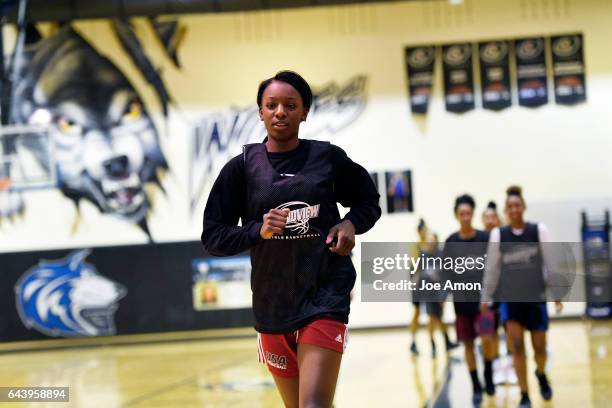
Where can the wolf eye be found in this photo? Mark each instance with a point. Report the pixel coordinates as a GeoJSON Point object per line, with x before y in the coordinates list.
{"type": "Point", "coordinates": [69, 127]}
{"type": "Point", "coordinates": [133, 112]}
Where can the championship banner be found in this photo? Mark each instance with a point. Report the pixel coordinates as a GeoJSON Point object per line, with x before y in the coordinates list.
{"type": "Point", "coordinates": [458, 77]}
{"type": "Point", "coordinates": [531, 71]}
{"type": "Point", "coordinates": [568, 69]}
{"type": "Point", "coordinates": [420, 63]}
{"type": "Point", "coordinates": [495, 75]}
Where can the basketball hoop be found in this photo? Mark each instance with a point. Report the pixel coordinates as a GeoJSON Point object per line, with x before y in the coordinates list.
{"type": "Point", "coordinates": [26, 158]}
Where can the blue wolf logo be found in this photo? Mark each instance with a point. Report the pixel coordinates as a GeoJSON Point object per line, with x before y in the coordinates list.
{"type": "Point", "coordinates": [68, 298]}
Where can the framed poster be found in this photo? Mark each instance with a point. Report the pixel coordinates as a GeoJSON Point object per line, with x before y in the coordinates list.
{"type": "Point", "coordinates": [399, 191]}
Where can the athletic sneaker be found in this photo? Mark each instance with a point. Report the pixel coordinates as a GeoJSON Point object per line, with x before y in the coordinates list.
{"type": "Point", "coordinates": [413, 349]}
{"type": "Point", "coordinates": [450, 345]}
{"type": "Point", "coordinates": [545, 389]}
{"type": "Point", "coordinates": [477, 397]}
{"type": "Point", "coordinates": [525, 401]}
{"type": "Point", "coordinates": [489, 387]}
{"type": "Point", "coordinates": [476, 388]}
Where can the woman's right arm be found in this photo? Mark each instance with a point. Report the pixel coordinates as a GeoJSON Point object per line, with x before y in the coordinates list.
{"type": "Point", "coordinates": [492, 268]}
{"type": "Point", "coordinates": [221, 235]}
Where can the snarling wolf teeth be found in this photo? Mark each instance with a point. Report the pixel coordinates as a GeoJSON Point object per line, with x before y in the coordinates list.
{"type": "Point", "coordinates": [123, 196]}
{"type": "Point", "coordinates": [126, 206]}
{"type": "Point", "coordinates": [110, 186]}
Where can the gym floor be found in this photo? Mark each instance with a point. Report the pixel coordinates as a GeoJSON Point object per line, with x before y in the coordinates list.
{"type": "Point", "coordinates": [377, 370]}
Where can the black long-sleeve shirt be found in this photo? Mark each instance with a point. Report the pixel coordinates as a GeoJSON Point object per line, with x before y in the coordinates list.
{"type": "Point", "coordinates": [221, 234]}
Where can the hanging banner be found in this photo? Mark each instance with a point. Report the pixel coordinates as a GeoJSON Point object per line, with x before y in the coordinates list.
{"type": "Point", "coordinates": [495, 75]}
{"type": "Point", "coordinates": [568, 69]}
{"type": "Point", "coordinates": [531, 71]}
{"type": "Point", "coordinates": [420, 63]}
{"type": "Point", "coordinates": [458, 77]}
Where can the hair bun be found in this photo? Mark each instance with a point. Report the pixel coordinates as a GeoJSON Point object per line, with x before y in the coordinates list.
{"type": "Point", "coordinates": [421, 224]}
{"type": "Point", "coordinates": [514, 190]}
{"type": "Point", "coordinates": [492, 206]}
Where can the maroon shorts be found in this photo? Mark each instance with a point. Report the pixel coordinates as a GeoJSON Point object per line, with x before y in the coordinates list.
{"type": "Point", "coordinates": [279, 351]}
{"type": "Point", "coordinates": [470, 326]}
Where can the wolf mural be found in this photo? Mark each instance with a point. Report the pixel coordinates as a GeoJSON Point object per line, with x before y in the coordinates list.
{"type": "Point", "coordinates": [106, 144]}
{"type": "Point", "coordinates": [68, 298]}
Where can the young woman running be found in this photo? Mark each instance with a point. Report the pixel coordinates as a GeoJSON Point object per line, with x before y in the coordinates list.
{"type": "Point", "coordinates": [285, 191]}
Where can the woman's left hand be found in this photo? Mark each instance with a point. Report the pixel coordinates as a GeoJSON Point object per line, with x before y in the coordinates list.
{"type": "Point", "coordinates": [344, 234]}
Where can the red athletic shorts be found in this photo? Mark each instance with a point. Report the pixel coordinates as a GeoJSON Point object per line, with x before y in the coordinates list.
{"type": "Point", "coordinates": [470, 326]}
{"type": "Point", "coordinates": [279, 351]}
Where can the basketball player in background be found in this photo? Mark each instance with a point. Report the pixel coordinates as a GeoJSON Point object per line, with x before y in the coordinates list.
{"type": "Point", "coordinates": [503, 370]}
{"type": "Point", "coordinates": [428, 246]}
{"type": "Point", "coordinates": [490, 218]}
{"type": "Point", "coordinates": [470, 243]}
{"type": "Point", "coordinates": [515, 274]}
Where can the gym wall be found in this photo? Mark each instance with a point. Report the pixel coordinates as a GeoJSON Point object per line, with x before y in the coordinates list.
{"type": "Point", "coordinates": [558, 154]}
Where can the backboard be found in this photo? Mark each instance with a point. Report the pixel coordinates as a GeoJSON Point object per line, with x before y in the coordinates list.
{"type": "Point", "coordinates": [26, 158]}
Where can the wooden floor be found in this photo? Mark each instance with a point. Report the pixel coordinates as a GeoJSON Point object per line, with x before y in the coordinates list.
{"type": "Point", "coordinates": [377, 371]}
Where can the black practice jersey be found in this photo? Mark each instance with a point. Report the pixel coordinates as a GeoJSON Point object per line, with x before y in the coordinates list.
{"type": "Point", "coordinates": [522, 272]}
{"type": "Point", "coordinates": [295, 278]}
{"type": "Point", "coordinates": [467, 302]}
